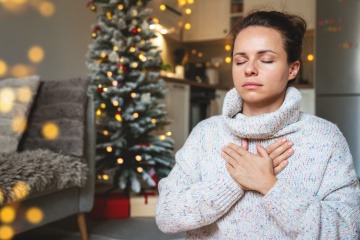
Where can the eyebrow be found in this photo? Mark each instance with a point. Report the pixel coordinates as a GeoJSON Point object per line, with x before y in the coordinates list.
{"type": "Point", "coordinates": [259, 52]}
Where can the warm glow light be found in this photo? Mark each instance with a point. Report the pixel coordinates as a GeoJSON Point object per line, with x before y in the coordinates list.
{"type": "Point", "coordinates": [50, 131]}
{"type": "Point", "coordinates": [181, 3]}
{"type": "Point", "coordinates": [109, 149]}
{"type": "Point", "coordinates": [133, 95]}
{"type": "Point", "coordinates": [310, 57]}
{"type": "Point", "coordinates": [188, 11]}
{"type": "Point", "coordinates": [106, 132]}
{"type": "Point", "coordinates": [105, 177]}
{"type": "Point", "coordinates": [193, 51]}
{"type": "Point", "coordinates": [120, 161]}
{"type": "Point", "coordinates": [187, 26]}
{"type": "Point", "coordinates": [98, 112]}
{"type": "Point", "coordinates": [34, 215]}
{"type": "Point", "coordinates": [200, 54]}
{"type": "Point", "coordinates": [109, 74]}
{"type": "Point", "coordinates": [108, 15]}
{"type": "Point", "coordinates": [134, 65]}
{"type": "Point", "coordinates": [190, 1]}
{"type": "Point", "coordinates": [102, 55]}
{"type": "Point", "coordinates": [138, 158]}
{"type": "Point", "coordinates": [163, 31]}
{"type": "Point", "coordinates": [115, 83]}
{"type": "Point", "coordinates": [7, 214]}
{"type": "Point", "coordinates": [138, 29]}
{"type": "Point", "coordinates": [103, 105]}
{"type": "Point", "coordinates": [155, 20]}
{"type": "Point", "coordinates": [162, 137]}
{"type": "Point", "coordinates": [20, 70]}
{"type": "Point", "coordinates": [115, 48]}
{"type": "Point", "coordinates": [18, 124]}
{"type": "Point", "coordinates": [115, 103]}
{"type": "Point", "coordinates": [132, 49]}
{"type": "Point", "coordinates": [168, 134]}
{"type": "Point", "coordinates": [135, 115]}
{"type": "Point", "coordinates": [3, 68]}
{"type": "Point", "coordinates": [24, 94]}
{"type": "Point", "coordinates": [153, 121]}
{"type": "Point", "coordinates": [227, 47]}
{"type": "Point", "coordinates": [47, 9]}
{"type": "Point", "coordinates": [140, 169]}
{"type": "Point", "coordinates": [7, 97]}
{"type": "Point", "coordinates": [6, 232]}
{"type": "Point", "coordinates": [120, 7]}
{"type": "Point", "coordinates": [20, 190]}
{"type": "Point", "coordinates": [118, 117]}
{"type": "Point", "coordinates": [162, 7]}
{"type": "Point", "coordinates": [105, 89]}
{"type": "Point", "coordinates": [228, 59]}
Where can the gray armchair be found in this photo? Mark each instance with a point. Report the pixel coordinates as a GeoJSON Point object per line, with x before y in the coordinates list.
{"type": "Point", "coordinates": [67, 103]}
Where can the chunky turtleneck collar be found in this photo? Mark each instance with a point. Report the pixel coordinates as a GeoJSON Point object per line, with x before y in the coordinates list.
{"type": "Point", "coordinates": [269, 125]}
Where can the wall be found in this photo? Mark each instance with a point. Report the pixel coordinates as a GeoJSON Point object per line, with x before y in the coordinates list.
{"type": "Point", "coordinates": [64, 37]}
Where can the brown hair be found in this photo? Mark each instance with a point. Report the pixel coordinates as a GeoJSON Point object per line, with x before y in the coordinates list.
{"type": "Point", "coordinates": [291, 27]}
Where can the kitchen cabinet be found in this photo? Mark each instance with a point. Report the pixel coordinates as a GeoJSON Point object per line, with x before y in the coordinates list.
{"type": "Point", "coordinates": [210, 20]}
{"type": "Point", "coordinates": [178, 108]}
{"type": "Point", "coordinates": [304, 8]}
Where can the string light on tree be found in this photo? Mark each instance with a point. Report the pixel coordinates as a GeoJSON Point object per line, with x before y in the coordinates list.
{"type": "Point", "coordinates": [125, 74]}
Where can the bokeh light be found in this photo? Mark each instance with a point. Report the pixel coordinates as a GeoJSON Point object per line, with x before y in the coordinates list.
{"type": "Point", "coordinates": [228, 59]}
{"type": "Point", "coordinates": [7, 214]}
{"type": "Point", "coordinates": [50, 131]}
{"type": "Point", "coordinates": [7, 97]}
{"type": "Point", "coordinates": [20, 70]}
{"type": "Point", "coordinates": [34, 215]}
{"type": "Point", "coordinates": [47, 9]}
{"type": "Point", "coordinates": [36, 54]}
{"type": "Point", "coordinates": [227, 47]}
{"type": "Point", "coordinates": [18, 124]}
{"type": "Point", "coordinates": [310, 57]}
{"type": "Point", "coordinates": [120, 161]}
{"type": "Point", "coordinates": [6, 232]}
{"type": "Point", "coordinates": [3, 68]}
{"type": "Point", "coordinates": [187, 26]}
{"type": "Point", "coordinates": [20, 190]}
{"type": "Point", "coordinates": [24, 94]}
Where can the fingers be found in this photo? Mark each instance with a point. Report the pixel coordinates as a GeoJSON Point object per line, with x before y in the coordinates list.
{"type": "Point", "coordinates": [245, 144]}
{"type": "Point", "coordinates": [283, 157]}
{"type": "Point", "coordinates": [229, 156]}
{"type": "Point", "coordinates": [262, 151]}
{"type": "Point", "coordinates": [280, 167]}
{"type": "Point", "coordinates": [278, 148]}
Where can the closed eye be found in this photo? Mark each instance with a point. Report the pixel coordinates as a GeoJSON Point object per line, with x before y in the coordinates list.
{"type": "Point", "coordinates": [267, 61]}
{"type": "Point", "coordinates": [240, 63]}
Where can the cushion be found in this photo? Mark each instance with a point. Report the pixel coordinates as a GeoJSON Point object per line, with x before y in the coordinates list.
{"type": "Point", "coordinates": [61, 103]}
{"type": "Point", "coordinates": [23, 173]}
{"type": "Point", "coordinates": [16, 99]}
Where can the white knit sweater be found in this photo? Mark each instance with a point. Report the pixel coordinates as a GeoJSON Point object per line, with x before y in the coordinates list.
{"type": "Point", "coordinates": [317, 196]}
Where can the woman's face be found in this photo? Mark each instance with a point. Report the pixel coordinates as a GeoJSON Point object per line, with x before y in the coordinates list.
{"type": "Point", "coordinates": [260, 69]}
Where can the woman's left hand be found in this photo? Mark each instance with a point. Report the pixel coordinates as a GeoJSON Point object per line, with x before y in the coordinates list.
{"type": "Point", "coordinates": [251, 171]}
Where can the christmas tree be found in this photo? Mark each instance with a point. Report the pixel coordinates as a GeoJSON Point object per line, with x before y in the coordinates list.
{"type": "Point", "coordinates": [132, 144]}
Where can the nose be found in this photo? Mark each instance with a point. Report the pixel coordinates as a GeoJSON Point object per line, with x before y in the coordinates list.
{"type": "Point", "coordinates": [250, 69]}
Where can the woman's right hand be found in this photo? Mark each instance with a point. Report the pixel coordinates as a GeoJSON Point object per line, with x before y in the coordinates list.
{"type": "Point", "coordinates": [278, 151]}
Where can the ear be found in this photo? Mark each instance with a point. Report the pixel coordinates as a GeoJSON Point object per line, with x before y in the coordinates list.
{"type": "Point", "coordinates": [294, 69]}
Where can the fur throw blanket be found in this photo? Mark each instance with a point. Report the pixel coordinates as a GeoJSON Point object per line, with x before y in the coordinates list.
{"type": "Point", "coordinates": [22, 173]}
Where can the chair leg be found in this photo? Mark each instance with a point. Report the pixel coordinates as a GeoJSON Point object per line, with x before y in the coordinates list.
{"type": "Point", "coordinates": [82, 226]}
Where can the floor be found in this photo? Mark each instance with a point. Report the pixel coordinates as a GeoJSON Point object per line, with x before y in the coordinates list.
{"type": "Point", "coordinates": [139, 228]}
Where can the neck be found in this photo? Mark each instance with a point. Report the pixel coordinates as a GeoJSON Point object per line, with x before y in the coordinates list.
{"type": "Point", "coordinates": [259, 108]}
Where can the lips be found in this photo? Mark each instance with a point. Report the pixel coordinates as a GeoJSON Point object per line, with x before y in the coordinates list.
{"type": "Point", "coordinates": [252, 85]}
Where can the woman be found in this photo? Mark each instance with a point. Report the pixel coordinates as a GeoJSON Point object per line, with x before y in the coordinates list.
{"type": "Point", "coordinates": [221, 190]}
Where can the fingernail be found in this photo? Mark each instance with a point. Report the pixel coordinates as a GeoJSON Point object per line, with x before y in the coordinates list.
{"type": "Point", "coordinates": [291, 150]}
{"type": "Point", "coordinates": [283, 140]}
{"type": "Point", "coordinates": [290, 143]}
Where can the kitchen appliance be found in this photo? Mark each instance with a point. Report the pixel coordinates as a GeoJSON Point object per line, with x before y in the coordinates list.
{"type": "Point", "coordinates": [196, 71]}
{"type": "Point", "coordinates": [338, 69]}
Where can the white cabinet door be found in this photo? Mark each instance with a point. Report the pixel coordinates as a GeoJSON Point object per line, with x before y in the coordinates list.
{"type": "Point", "coordinates": [178, 107]}
{"type": "Point", "coordinates": [210, 20]}
{"type": "Point", "coordinates": [304, 8]}
{"type": "Point", "coordinates": [308, 100]}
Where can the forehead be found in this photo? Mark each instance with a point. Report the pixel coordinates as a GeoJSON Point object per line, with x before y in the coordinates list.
{"type": "Point", "coordinates": [258, 36]}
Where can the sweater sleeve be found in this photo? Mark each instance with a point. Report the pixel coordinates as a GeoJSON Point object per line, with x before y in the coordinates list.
{"type": "Point", "coordinates": [185, 201]}
{"type": "Point", "coordinates": [333, 213]}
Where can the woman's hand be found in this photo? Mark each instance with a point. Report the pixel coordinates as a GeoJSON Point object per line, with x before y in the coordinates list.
{"type": "Point", "coordinates": [257, 172]}
{"type": "Point", "coordinates": [278, 151]}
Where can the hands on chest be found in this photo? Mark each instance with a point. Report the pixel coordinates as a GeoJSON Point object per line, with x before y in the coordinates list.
{"type": "Point", "coordinates": [257, 172]}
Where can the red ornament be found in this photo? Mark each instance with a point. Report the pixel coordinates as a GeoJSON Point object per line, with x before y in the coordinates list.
{"type": "Point", "coordinates": [96, 29]}
{"type": "Point", "coordinates": [122, 68]}
{"type": "Point", "coordinates": [99, 89]}
{"type": "Point", "coordinates": [118, 112]}
{"type": "Point", "coordinates": [144, 144]}
{"type": "Point", "coordinates": [134, 31]}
